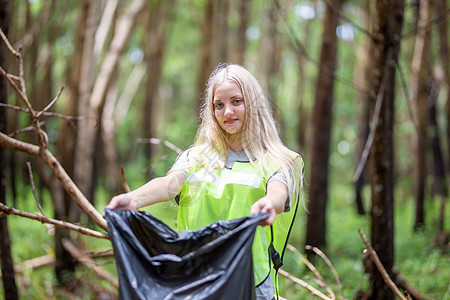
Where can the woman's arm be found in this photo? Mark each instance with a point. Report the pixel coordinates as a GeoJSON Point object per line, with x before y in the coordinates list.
{"type": "Point", "coordinates": [156, 190]}
{"type": "Point", "coordinates": [273, 203]}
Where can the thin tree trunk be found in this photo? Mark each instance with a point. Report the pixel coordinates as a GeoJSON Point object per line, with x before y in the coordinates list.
{"type": "Point", "coordinates": [361, 76]}
{"type": "Point", "coordinates": [159, 20]}
{"type": "Point", "coordinates": [6, 261]}
{"type": "Point", "coordinates": [64, 264]}
{"type": "Point", "coordinates": [438, 165]}
{"type": "Point", "coordinates": [206, 50]}
{"type": "Point", "coordinates": [441, 6]}
{"type": "Point", "coordinates": [221, 31]}
{"type": "Point", "coordinates": [419, 96]}
{"type": "Point", "coordinates": [241, 40]}
{"type": "Point", "coordinates": [268, 61]}
{"type": "Point", "coordinates": [387, 26]}
{"type": "Point", "coordinates": [88, 133]}
{"type": "Point", "coordinates": [316, 227]}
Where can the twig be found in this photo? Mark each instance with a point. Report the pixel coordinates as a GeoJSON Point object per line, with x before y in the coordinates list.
{"type": "Point", "coordinates": [125, 185]}
{"type": "Point", "coordinates": [380, 267]}
{"type": "Point", "coordinates": [303, 284]}
{"type": "Point", "coordinates": [438, 19]}
{"type": "Point", "coordinates": [26, 129]}
{"type": "Point", "coordinates": [156, 141]}
{"type": "Point", "coordinates": [39, 114]}
{"type": "Point", "coordinates": [12, 211]}
{"type": "Point", "coordinates": [327, 261]}
{"type": "Point", "coordinates": [10, 47]}
{"type": "Point", "coordinates": [320, 279]}
{"type": "Point", "coordinates": [87, 261]}
{"type": "Point", "coordinates": [30, 173]}
{"type": "Point", "coordinates": [371, 136]}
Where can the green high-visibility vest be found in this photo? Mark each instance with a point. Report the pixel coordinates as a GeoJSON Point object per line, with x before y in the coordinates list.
{"type": "Point", "coordinates": [208, 196]}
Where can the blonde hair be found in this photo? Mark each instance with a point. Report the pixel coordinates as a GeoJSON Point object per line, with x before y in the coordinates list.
{"type": "Point", "coordinates": [260, 139]}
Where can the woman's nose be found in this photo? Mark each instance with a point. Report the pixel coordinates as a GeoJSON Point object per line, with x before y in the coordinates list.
{"type": "Point", "coordinates": [228, 110]}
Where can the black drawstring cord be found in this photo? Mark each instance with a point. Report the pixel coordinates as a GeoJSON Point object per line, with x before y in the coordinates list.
{"type": "Point", "coordinates": [276, 260]}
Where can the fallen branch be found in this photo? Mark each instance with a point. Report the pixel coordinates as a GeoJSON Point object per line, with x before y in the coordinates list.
{"type": "Point", "coordinates": [303, 284]}
{"type": "Point", "coordinates": [327, 261]}
{"type": "Point", "coordinates": [87, 261]}
{"type": "Point", "coordinates": [319, 277]}
{"type": "Point", "coordinates": [379, 265]}
{"type": "Point", "coordinates": [12, 211]}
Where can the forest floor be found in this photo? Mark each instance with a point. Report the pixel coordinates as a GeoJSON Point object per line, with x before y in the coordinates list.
{"type": "Point", "coordinates": [422, 264]}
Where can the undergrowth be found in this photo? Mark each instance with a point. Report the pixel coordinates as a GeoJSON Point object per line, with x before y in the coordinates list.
{"type": "Point", "coordinates": [423, 265]}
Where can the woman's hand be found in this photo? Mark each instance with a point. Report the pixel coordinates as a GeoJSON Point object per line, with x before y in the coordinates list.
{"type": "Point", "coordinates": [123, 202]}
{"type": "Point", "coordinates": [272, 203]}
{"type": "Point", "coordinates": [265, 205]}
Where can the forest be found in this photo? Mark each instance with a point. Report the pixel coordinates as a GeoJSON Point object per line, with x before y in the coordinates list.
{"type": "Point", "coordinates": [99, 97]}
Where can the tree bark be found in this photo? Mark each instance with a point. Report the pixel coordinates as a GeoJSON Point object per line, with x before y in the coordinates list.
{"type": "Point", "coordinates": [88, 131]}
{"type": "Point", "coordinates": [269, 61]}
{"type": "Point", "coordinates": [441, 6]}
{"type": "Point", "coordinates": [6, 261]}
{"type": "Point", "coordinates": [241, 40]}
{"type": "Point", "coordinates": [322, 114]}
{"type": "Point", "coordinates": [387, 26]}
{"type": "Point", "coordinates": [420, 90]}
{"type": "Point", "coordinates": [362, 73]}
{"type": "Point", "coordinates": [159, 20]}
{"type": "Point", "coordinates": [206, 50]}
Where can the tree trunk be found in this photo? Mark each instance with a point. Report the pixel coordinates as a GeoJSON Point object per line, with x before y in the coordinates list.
{"type": "Point", "coordinates": [441, 6]}
{"type": "Point", "coordinates": [322, 114]}
{"type": "Point", "coordinates": [159, 20]}
{"type": "Point", "coordinates": [62, 202]}
{"type": "Point", "coordinates": [6, 261]}
{"type": "Point", "coordinates": [268, 61]}
{"type": "Point", "coordinates": [221, 31]}
{"type": "Point", "coordinates": [439, 187]}
{"type": "Point", "coordinates": [362, 74]}
{"type": "Point", "coordinates": [206, 50]}
{"type": "Point", "coordinates": [88, 132]}
{"type": "Point", "coordinates": [419, 95]}
{"type": "Point", "coordinates": [387, 26]}
{"type": "Point", "coordinates": [241, 39]}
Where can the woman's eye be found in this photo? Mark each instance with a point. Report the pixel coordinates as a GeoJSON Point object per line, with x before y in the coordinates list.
{"type": "Point", "coordinates": [218, 105]}
{"type": "Point", "coordinates": [238, 101]}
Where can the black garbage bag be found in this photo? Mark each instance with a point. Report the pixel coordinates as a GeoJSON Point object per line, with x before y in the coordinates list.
{"type": "Point", "coordinates": [155, 262]}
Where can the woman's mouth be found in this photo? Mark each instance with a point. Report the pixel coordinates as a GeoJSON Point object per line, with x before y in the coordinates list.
{"type": "Point", "coordinates": [230, 121]}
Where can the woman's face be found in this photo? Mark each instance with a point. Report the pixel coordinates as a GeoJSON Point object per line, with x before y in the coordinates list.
{"type": "Point", "coordinates": [229, 108]}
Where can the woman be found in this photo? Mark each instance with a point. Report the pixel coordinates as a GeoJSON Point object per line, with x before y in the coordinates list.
{"type": "Point", "coordinates": [238, 165]}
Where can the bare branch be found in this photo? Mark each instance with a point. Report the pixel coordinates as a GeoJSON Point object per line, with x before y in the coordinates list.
{"type": "Point", "coordinates": [87, 261]}
{"type": "Point", "coordinates": [12, 211]}
{"type": "Point", "coordinates": [369, 141]}
{"type": "Point", "coordinates": [69, 186]}
{"type": "Point", "coordinates": [10, 47]}
{"type": "Point", "coordinates": [327, 261]}
{"type": "Point", "coordinates": [380, 267]}
{"type": "Point", "coordinates": [125, 185]}
{"type": "Point", "coordinates": [320, 281]}
{"type": "Point", "coordinates": [156, 141]}
{"type": "Point", "coordinates": [26, 129]}
{"type": "Point", "coordinates": [303, 284]}
{"type": "Point", "coordinates": [30, 173]}
{"type": "Point", "coordinates": [39, 114]}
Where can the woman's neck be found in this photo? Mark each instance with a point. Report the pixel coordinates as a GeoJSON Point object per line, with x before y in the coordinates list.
{"type": "Point", "coordinates": [236, 143]}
